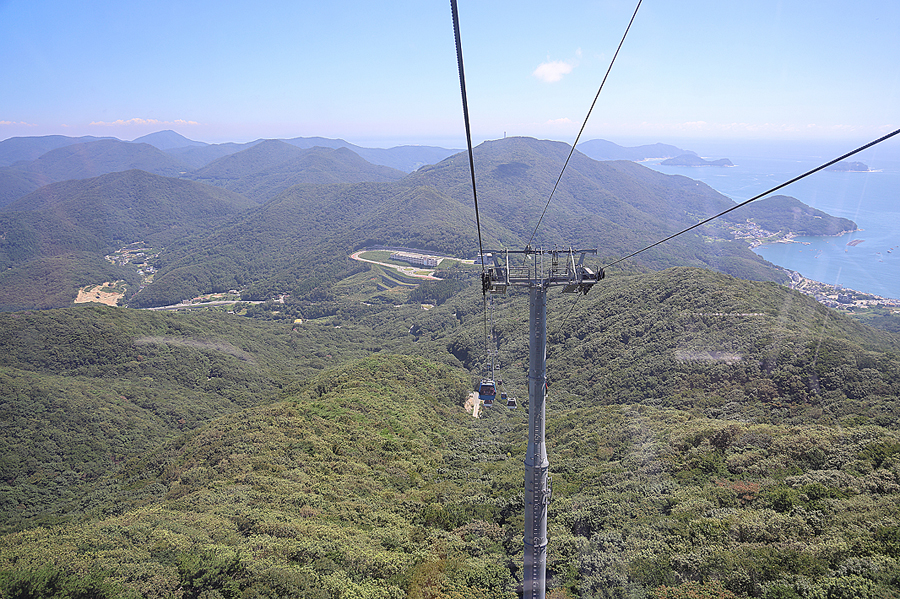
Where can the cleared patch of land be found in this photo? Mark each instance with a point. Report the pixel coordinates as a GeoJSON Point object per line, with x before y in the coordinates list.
{"type": "Point", "coordinates": [106, 293]}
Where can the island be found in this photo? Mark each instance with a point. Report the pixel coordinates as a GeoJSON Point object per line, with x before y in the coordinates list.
{"type": "Point", "coordinates": [694, 160]}
{"type": "Point", "coordinates": [849, 167]}
{"type": "Point", "coordinates": [601, 149]}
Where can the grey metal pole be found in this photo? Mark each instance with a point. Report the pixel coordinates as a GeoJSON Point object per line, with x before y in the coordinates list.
{"type": "Point", "coordinates": [537, 466]}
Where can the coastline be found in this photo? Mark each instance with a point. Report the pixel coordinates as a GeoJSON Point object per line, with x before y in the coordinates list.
{"type": "Point", "coordinates": [790, 236]}
{"type": "Point", "coordinates": [839, 297]}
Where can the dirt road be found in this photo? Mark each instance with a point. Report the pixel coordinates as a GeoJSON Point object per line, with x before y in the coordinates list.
{"type": "Point", "coordinates": [473, 404]}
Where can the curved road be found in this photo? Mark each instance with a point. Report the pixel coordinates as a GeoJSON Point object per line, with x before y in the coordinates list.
{"type": "Point", "coordinates": [409, 271]}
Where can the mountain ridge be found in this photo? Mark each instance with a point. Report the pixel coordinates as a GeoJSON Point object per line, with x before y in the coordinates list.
{"type": "Point", "coordinates": [618, 206]}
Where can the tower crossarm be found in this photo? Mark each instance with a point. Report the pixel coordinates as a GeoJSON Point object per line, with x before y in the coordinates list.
{"type": "Point", "coordinates": [545, 267]}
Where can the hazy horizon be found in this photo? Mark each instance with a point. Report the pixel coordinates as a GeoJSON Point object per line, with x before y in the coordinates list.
{"type": "Point", "coordinates": [386, 74]}
{"type": "Point", "coordinates": [731, 148]}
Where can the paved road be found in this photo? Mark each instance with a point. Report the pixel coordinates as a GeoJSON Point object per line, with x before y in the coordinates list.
{"type": "Point", "coordinates": [409, 271]}
{"type": "Point", "coordinates": [203, 305]}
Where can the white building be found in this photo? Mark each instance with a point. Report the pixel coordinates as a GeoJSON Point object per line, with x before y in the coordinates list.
{"type": "Point", "coordinates": [419, 259]}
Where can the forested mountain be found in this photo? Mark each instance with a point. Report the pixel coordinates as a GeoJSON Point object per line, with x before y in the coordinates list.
{"type": "Point", "coordinates": [25, 149]}
{"type": "Point", "coordinates": [303, 236]}
{"type": "Point", "coordinates": [264, 170]}
{"type": "Point", "coordinates": [14, 184]}
{"type": "Point", "coordinates": [784, 213]}
{"type": "Point", "coordinates": [403, 158]}
{"type": "Point", "coordinates": [302, 239]}
{"type": "Point", "coordinates": [134, 205]}
{"type": "Point", "coordinates": [85, 160]}
{"type": "Point", "coordinates": [704, 432]}
{"type": "Point", "coordinates": [200, 156]}
{"type": "Point", "coordinates": [64, 229]}
{"type": "Point", "coordinates": [600, 149]}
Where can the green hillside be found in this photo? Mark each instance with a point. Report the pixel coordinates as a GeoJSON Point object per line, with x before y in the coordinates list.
{"type": "Point", "coordinates": [264, 170]}
{"type": "Point", "coordinates": [44, 283]}
{"type": "Point", "coordinates": [302, 237]}
{"type": "Point", "coordinates": [53, 240]}
{"type": "Point", "coordinates": [784, 213]}
{"type": "Point", "coordinates": [372, 480]}
{"type": "Point", "coordinates": [14, 184]}
{"type": "Point", "coordinates": [95, 158]}
{"type": "Point", "coordinates": [134, 205]}
{"type": "Point", "coordinates": [85, 388]}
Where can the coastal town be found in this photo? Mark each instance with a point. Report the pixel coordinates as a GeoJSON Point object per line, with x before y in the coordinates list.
{"type": "Point", "coordinates": [834, 296]}
{"type": "Point", "coordinates": [837, 296]}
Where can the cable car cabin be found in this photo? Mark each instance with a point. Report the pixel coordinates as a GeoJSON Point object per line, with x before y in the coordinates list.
{"type": "Point", "coordinates": [510, 401]}
{"type": "Point", "coordinates": [487, 391]}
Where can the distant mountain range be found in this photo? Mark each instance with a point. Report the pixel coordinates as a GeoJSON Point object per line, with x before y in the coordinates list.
{"type": "Point", "coordinates": [18, 149]}
{"type": "Point", "coordinates": [600, 149]}
{"type": "Point", "coordinates": [272, 166]}
{"type": "Point", "coordinates": [276, 216]}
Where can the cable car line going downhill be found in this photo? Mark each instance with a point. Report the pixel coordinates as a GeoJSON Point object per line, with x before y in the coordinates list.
{"type": "Point", "coordinates": [465, 105]}
{"type": "Point", "coordinates": [563, 268]}
{"type": "Point", "coordinates": [538, 269]}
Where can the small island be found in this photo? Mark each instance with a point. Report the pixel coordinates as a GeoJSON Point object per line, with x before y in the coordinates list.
{"type": "Point", "coordinates": [694, 160]}
{"type": "Point", "coordinates": [849, 167]}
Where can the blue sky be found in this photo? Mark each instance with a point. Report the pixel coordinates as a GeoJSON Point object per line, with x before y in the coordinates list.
{"type": "Point", "coordinates": [384, 73]}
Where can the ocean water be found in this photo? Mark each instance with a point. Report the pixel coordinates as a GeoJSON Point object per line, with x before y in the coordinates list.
{"type": "Point", "coordinates": [872, 200]}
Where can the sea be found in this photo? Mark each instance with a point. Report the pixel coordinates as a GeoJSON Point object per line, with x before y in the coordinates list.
{"type": "Point", "coordinates": [867, 260]}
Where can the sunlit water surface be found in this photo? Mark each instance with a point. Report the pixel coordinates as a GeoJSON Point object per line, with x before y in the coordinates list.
{"type": "Point", "coordinates": [871, 200]}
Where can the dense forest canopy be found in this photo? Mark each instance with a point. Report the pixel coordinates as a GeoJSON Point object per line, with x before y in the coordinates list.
{"type": "Point", "coordinates": [701, 428]}
{"type": "Point", "coordinates": [711, 433]}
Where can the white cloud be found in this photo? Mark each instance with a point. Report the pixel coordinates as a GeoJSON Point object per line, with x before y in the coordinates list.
{"type": "Point", "coordinates": [553, 70]}
{"type": "Point", "coordinates": [137, 121]}
{"type": "Point", "coordinates": [20, 123]}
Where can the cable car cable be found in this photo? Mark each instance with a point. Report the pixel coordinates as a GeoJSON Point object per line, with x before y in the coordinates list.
{"type": "Point", "coordinates": [774, 189]}
{"type": "Point", "coordinates": [756, 197]}
{"type": "Point", "coordinates": [584, 124]}
{"type": "Point", "coordinates": [465, 106]}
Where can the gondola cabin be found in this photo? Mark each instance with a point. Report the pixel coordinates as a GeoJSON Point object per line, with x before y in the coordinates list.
{"type": "Point", "coordinates": [511, 403]}
{"type": "Point", "coordinates": [487, 391]}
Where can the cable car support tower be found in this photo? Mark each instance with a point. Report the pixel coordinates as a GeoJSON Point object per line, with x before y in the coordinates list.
{"type": "Point", "coordinates": [538, 270]}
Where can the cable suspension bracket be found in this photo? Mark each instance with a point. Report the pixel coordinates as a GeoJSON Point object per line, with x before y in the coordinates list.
{"type": "Point", "coordinates": [540, 267]}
